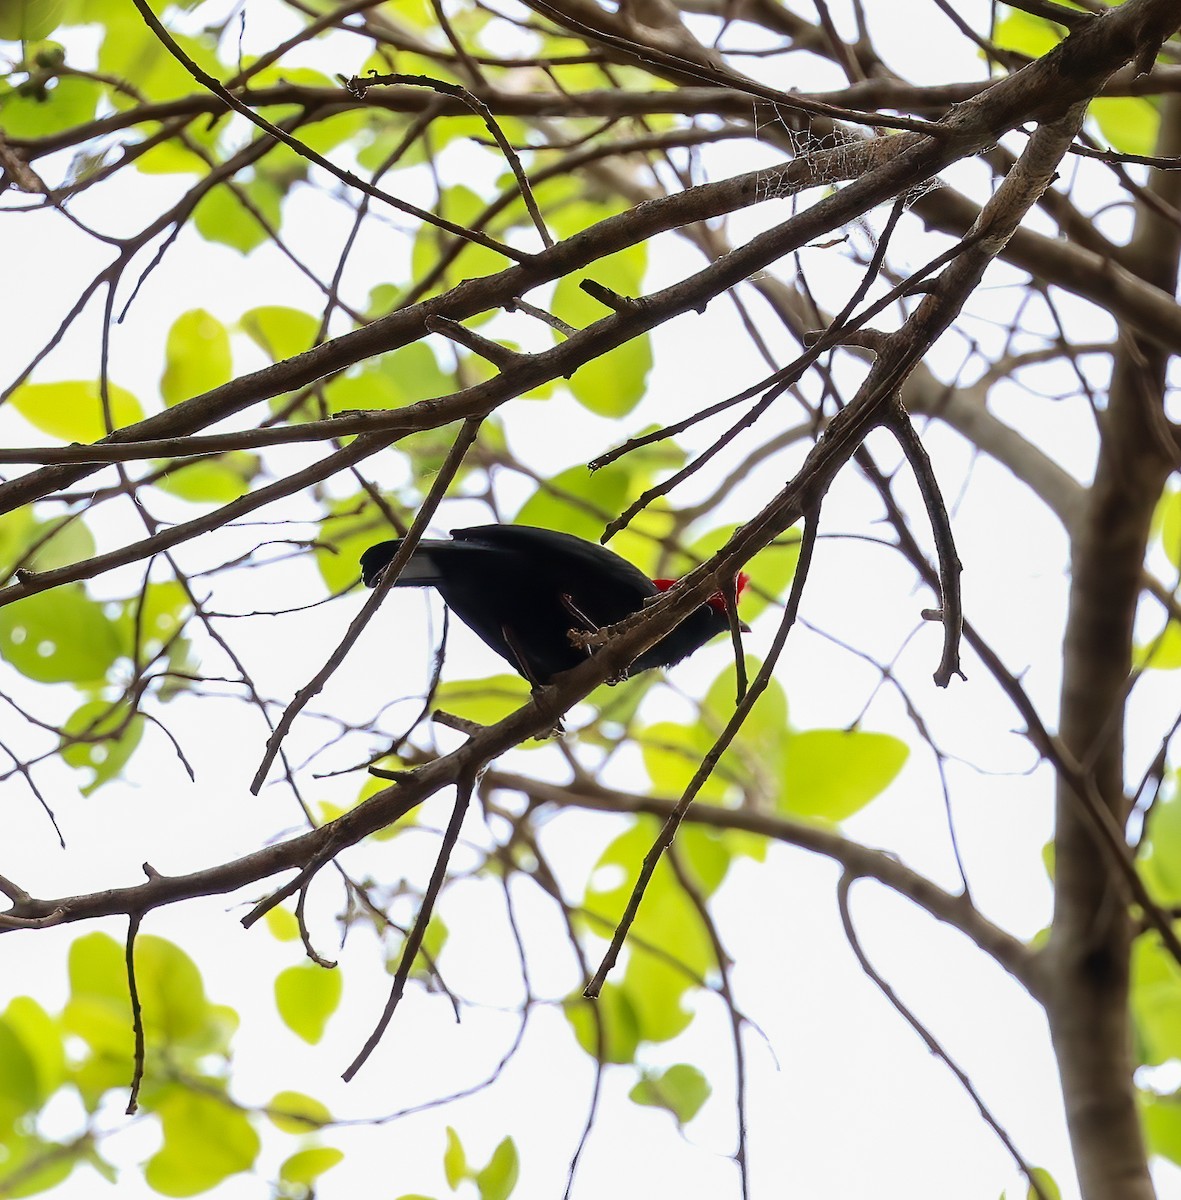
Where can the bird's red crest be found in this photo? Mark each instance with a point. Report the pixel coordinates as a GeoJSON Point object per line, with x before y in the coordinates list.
{"type": "Point", "coordinates": [717, 600]}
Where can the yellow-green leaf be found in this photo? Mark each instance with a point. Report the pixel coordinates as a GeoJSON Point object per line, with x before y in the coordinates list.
{"type": "Point", "coordinates": [282, 925]}
{"type": "Point", "coordinates": [220, 216]}
{"type": "Point", "coordinates": [1131, 124]}
{"type": "Point", "coordinates": [613, 1010]}
{"type": "Point", "coordinates": [485, 701]}
{"type": "Point", "coordinates": [197, 356]}
{"type": "Point", "coordinates": [59, 636]}
{"type": "Point", "coordinates": [211, 480]}
{"type": "Point", "coordinates": [682, 1090]}
{"type": "Point", "coordinates": [108, 736]}
{"type": "Point", "coordinates": [34, 111]}
{"type": "Point", "coordinates": [833, 773]}
{"type": "Point", "coordinates": [280, 332]}
{"type": "Point", "coordinates": [72, 410]}
{"type": "Point", "coordinates": [306, 996]}
{"type": "Point", "coordinates": [29, 20]}
{"type": "Point", "coordinates": [293, 1112]}
{"type": "Point", "coordinates": [304, 1167]}
{"type": "Point", "coordinates": [206, 1140]}
{"type": "Point", "coordinates": [454, 1160]}
{"type": "Point", "coordinates": [497, 1180]}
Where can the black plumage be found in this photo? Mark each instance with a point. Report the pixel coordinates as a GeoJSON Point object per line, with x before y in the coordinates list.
{"type": "Point", "coordinates": [522, 590]}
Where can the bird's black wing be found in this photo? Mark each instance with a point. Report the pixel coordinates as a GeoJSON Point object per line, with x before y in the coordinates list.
{"type": "Point", "coordinates": [560, 551]}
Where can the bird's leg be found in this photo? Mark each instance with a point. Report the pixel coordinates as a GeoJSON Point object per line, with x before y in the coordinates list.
{"type": "Point", "coordinates": [588, 626]}
{"type": "Point", "coordinates": [519, 660]}
{"type": "Point", "coordinates": [590, 637]}
{"type": "Point", "coordinates": [535, 685]}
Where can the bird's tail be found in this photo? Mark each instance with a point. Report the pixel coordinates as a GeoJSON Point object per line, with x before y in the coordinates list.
{"type": "Point", "coordinates": [420, 571]}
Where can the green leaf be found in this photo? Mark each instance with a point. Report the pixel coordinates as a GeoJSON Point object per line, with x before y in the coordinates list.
{"type": "Point", "coordinates": [306, 996]}
{"type": "Point", "coordinates": [1161, 1119]}
{"type": "Point", "coordinates": [279, 331]}
{"type": "Point", "coordinates": [108, 1037]}
{"type": "Point", "coordinates": [1049, 1189]}
{"type": "Point", "coordinates": [154, 618]}
{"type": "Point", "coordinates": [577, 501]}
{"type": "Point", "coordinates": [33, 1165]}
{"type": "Point", "coordinates": [282, 925]}
{"type": "Point", "coordinates": [1161, 861]}
{"type": "Point", "coordinates": [59, 636]}
{"type": "Point", "coordinates": [97, 973]}
{"type": "Point", "coordinates": [221, 217]}
{"type": "Point", "coordinates": [211, 480]}
{"type": "Point", "coordinates": [352, 525]}
{"type": "Point", "coordinates": [42, 545]}
{"type": "Point", "coordinates": [197, 356]}
{"type": "Point", "coordinates": [366, 388]}
{"type": "Point", "coordinates": [434, 939]}
{"type": "Point", "coordinates": [682, 1090]}
{"type": "Point", "coordinates": [131, 51]}
{"type": "Point", "coordinates": [38, 110]}
{"type": "Point", "coordinates": [171, 991]}
{"type": "Point", "coordinates": [1166, 523]}
{"type": "Point", "coordinates": [672, 754]}
{"type": "Point", "coordinates": [497, 1180]}
{"type": "Point", "coordinates": [757, 753]}
{"type": "Point", "coordinates": [293, 1112]}
{"type": "Point", "coordinates": [206, 1140]}
{"type": "Point", "coordinates": [833, 773]}
{"type": "Point", "coordinates": [109, 740]}
{"type": "Point", "coordinates": [670, 947]}
{"type": "Point", "coordinates": [176, 1014]}
{"type": "Point", "coordinates": [1131, 124]}
{"type": "Point", "coordinates": [612, 384]}
{"type": "Point", "coordinates": [462, 206]}
{"type": "Point", "coordinates": [1028, 35]}
{"type": "Point", "coordinates": [1163, 653]}
{"type": "Point", "coordinates": [657, 987]}
{"type": "Point", "coordinates": [484, 701]}
{"type": "Point", "coordinates": [304, 1167]}
{"type": "Point", "coordinates": [617, 1016]}
{"type": "Point", "coordinates": [1155, 1003]}
{"type": "Point", "coordinates": [72, 410]}
{"type": "Point", "coordinates": [414, 373]}
{"type": "Point", "coordinates": [29, 20]}
{"type": "Point", "coordinates": [454, 1160]}
{"type": "Point", "coordinates": [769, 572]}
{"type": "Point", "coordinates": [41, 1036]}
{"type": "Point", "coordinates": [19, 1091]}
{"type": "Point", "coordinates": [170, 158]}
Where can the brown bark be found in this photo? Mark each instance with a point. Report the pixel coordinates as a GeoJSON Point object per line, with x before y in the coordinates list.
{"type": "Point", "coordinates": [1087, 961]}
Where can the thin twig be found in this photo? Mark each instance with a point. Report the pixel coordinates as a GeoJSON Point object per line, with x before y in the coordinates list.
{"type": "Point", "coordinates": [951, 607]}
{"type": "Point", "coordinates": [357, 86]}
{"type": "Point", "coordinates": [595, 985]}
{"type": "Point", "coordinates": [932, 1044]}
{"type": "Point", "coordinates": [463, 795]}
{"type": "Point", "coordinates": [137, 1016]}
{"type": "Point", "coordinates": [305, 151]}
{"type": "Point", "coordinates": [455, 457]}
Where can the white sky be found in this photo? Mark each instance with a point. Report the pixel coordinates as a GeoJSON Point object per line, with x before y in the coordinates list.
{"type": "Point", "coordinates": [844, 1101]}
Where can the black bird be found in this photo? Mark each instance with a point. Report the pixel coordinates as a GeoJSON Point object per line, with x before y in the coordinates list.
{"type": "Point", "coordinates": [523, 589]}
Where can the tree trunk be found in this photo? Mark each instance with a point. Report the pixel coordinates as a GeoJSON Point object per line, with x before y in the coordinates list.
{"type": "Point", "coordinates": [1087, 959]}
